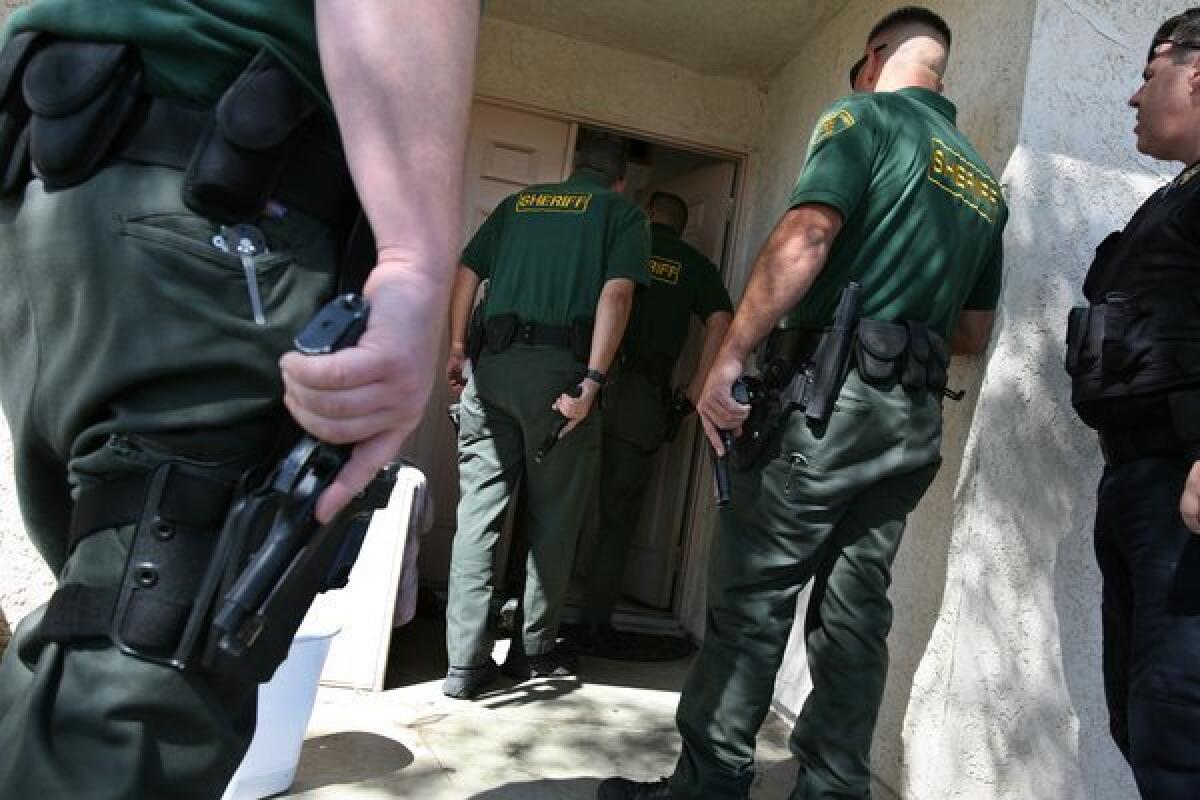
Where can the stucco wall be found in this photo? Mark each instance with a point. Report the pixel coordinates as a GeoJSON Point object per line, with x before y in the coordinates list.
{"type": "Point", "coordinates": [593, 83]}
{"type": "Point", "coordinates": [985, 80]}
{"type": "Point", "coordinates": [1008, 702]}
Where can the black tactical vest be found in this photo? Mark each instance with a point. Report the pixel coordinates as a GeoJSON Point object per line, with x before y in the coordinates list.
{"type": "Point", "coordinates": [1138, 342]}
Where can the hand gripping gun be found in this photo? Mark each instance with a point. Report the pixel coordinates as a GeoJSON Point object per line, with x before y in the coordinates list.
{"type": "Point", "coordinates": [286, 557]}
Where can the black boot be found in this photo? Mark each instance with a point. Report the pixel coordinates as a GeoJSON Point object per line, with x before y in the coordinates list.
{"type": "Point", "coordinates": [464, 683]}
{"type": "Point", "coordinates": [622, 789]}
{"type": "Point", "coordinates": [560, 662]}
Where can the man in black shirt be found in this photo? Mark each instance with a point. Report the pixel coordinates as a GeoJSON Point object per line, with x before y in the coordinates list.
{"type": "Point", "coordinates": [1134, 358]}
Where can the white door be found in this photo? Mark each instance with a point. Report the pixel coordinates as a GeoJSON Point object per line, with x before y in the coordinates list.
{"type": "Point", "coordinates": [655, 558]}
{"type": "Point", "coordinates": [506, 151]}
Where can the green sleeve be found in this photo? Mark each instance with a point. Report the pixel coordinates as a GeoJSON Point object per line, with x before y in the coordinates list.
{"type": "Point", "coordinates": [986, 293]}
{"type": "Point", "coordinates": [480, 252]}
{"type": "Point", "coordinates": [629, 246]}
{"type": "Point", "coordinates": [711, 295]}
{"type": "Point", "coordinates": [837, 169]}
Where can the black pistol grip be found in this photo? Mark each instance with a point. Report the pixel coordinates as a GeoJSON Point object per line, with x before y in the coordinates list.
{"type": "Point", "coordinates": [552, 438]}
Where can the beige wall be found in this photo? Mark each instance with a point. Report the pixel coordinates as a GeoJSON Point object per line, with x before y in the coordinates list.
{"type": "Point", "coordinates": [590, 83]}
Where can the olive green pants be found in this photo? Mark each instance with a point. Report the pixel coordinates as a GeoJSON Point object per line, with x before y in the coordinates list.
{"type": "Point", "coordinates": [634, 429]}
{"type": "Point", "coordinates": [505, 415]}
{"type": "Point", "coordinates": [127, 340]}
{"type": "Point", "coordinates": [828, 504]}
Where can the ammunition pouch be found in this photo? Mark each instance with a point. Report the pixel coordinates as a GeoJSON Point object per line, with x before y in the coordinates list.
{"type": "Point", "coordinates": [14, 112]}
{"type": "Point", "coordinates": [502, 331]}
{"type": "Point", "coordinates": [908, 353]}
{"type": "Point", "coordinates": [1126, 354]}
{"type": "Point", "coordinates": [67, 108]}
{"type": "Point", "coordinates": [80, 96]}
{"type": "Point", "coordinates": [240, 156]}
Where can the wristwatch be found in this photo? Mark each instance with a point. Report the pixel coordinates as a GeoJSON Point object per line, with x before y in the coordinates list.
{"type": "Point", "coordinates": [596, 375]}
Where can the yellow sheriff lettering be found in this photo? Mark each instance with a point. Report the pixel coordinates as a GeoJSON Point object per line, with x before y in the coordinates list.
{"type": "Point", "coordinates": [664, 270]}
{"type": "Point", "coordinates": [958, 176]}
{"type": "Point", "coordinates": [570, 203]}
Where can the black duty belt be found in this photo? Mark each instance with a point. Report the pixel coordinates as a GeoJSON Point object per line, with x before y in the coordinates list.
{"type": "Point", "coordinates": [314, 180]}
{"type": "Point", "coordinates": [1129, 444]}
{"type": "Point", "coordinates": [537, 334]}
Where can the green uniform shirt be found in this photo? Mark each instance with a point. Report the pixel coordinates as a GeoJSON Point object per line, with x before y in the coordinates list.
{"type": "Point", "coordinates": [682, 282]}
{"type": "Point", "coordinates": [549, 249]}
{"type": "Point", "coordinates": [192, 49]}
{"type": "Point", "coordinates": [922, 215]}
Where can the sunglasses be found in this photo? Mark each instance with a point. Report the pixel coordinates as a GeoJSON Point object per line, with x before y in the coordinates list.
{"type": "Point", "coordinates": [862, 62]}
{"type": "Point", "coordinates": [1154, 45]}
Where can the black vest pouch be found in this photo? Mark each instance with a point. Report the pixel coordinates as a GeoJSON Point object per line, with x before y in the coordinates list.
{"type": "Point", "coordinates": [916, 367]}
{"type": "Point", "coordinates": [238, 162]}
{"type": "Point", "coordinates": [499, 331]}
{"type": "Point", "coordinates": [1121, 351]}
{"type": "Point", "coordinates": [937, 368]}
{"type": "Point", "coordinates": [879, 351]}
{"type": "Point", "coordinates": [581, 339]}
{"type": "Point", "coordinates": [80, 95]}
{"type": "Point", "coordinates": [14, 113]}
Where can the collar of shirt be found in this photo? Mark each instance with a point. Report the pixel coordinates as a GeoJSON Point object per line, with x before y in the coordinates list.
{"type": "Point", "coordinates": [590, 177]}
{"type": "Point", "coordinates": [937, 102]}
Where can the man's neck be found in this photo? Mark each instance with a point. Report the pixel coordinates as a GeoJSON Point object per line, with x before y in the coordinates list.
{"type": "Point", "coordinates": [908, 76]}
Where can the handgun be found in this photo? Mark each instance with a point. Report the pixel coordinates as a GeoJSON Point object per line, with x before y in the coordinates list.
{"type": "Point", "coordinates": [741, 394]}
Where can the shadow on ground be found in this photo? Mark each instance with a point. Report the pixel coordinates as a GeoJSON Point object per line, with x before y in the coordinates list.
{"type": "Point", "coordinates": [349, 757]}
{"type": "Point", "coordinates": [418, 655]}
{"type": "Point", "coordinates": [542, 790]}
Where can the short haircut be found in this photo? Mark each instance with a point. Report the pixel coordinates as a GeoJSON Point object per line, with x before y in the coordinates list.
{"type": "Point", "coordinates": [1182, 31]}
{"type": "Point", "coordinates": [605, 153]}
{"type": "Point", "coordinates": [669, 209]}
{"type": "Point", "coordinates": [912, 15]}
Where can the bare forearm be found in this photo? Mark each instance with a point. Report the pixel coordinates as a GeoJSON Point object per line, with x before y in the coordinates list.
{"type": "Point", "coordinates": [971, 333]}
{"type": "Point", "coordinates": [400, 77]}
{"type": "Point", "coordinates": [790, 261]}
{"type": "Point", "coordinates": [715, 328]}
{"type": "Point", "coordinates": [466, 283]}
{"type": "Point", "coordinates": [612, 313]}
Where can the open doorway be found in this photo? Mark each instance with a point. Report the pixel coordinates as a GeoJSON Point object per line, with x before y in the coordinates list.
{"type": "Point", "coordinates": [650, 593]}
{"type": "Point", "coordinates": [510, 149]}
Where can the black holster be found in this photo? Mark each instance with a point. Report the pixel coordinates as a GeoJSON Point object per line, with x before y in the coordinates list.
{"type": "Point", "coordinates": [475, 337]}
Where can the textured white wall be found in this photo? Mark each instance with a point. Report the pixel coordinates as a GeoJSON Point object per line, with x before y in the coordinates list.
{"type": "Point", "coordinates": [1008, 701]}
